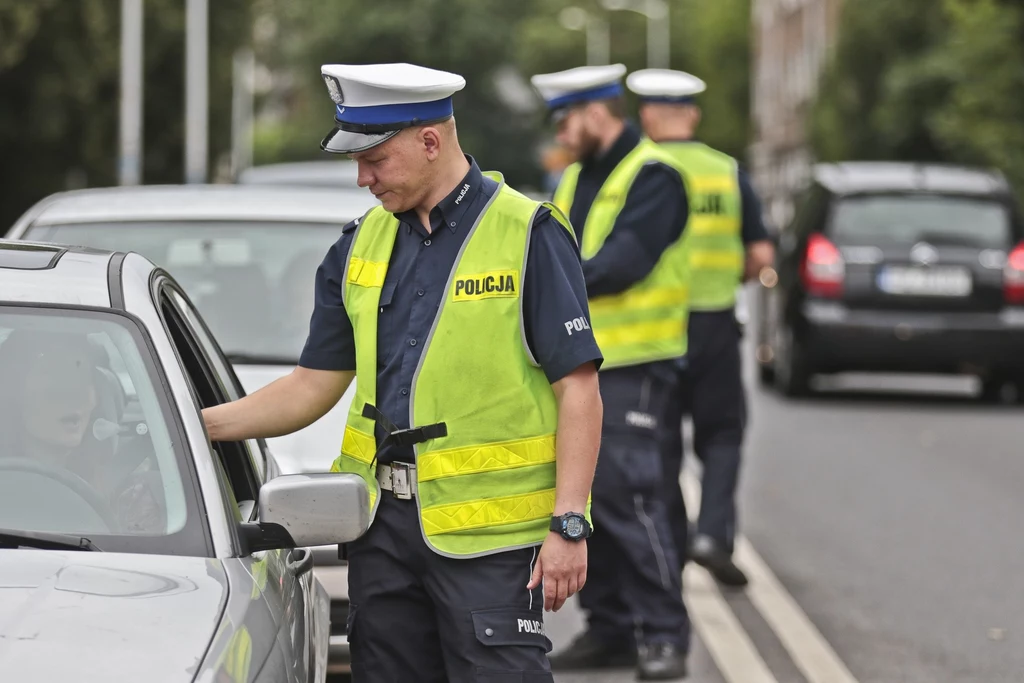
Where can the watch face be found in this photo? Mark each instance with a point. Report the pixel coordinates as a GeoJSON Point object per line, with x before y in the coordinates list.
{"type": "Point", "coordinates": [574, 527]}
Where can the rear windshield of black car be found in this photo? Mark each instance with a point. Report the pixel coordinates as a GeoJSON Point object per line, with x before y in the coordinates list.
{"type": "Point", "coordinates": [912, 218]}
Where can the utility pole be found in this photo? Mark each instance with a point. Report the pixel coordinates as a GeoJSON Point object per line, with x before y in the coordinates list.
{"type": "Point", "coordinates": [196, 90]}
{"type": "Point", "coordinates": [129, 165]}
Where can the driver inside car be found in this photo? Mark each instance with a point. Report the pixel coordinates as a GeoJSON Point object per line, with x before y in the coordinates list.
{"type": "Point", "coordinates": [51, 391]}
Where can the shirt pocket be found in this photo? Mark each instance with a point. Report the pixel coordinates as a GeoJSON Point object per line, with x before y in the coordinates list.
{"type": "Point", "coordinates": [386, 324]}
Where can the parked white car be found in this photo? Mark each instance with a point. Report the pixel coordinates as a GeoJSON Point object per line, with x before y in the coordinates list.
{"type": "Point", "coordinates": [247, 257]}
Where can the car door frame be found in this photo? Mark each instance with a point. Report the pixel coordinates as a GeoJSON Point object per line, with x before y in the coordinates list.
{"type": "Point", "coordinates": [288, 566]}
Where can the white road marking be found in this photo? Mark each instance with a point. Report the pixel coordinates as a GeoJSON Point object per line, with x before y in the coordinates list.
{"type": "Point", "coordinates": [808, 649]}
{"type": "Point", "coordinates": [730, 646]}
{"type": "Point", "coordinates": [811, 653]}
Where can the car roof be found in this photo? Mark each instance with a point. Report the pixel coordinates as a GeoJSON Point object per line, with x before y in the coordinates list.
{"type": "Point", "coordinates": [303, 174]}
{"type": "Point", "coordinates": [200, 202]}
{"type": "Point", "coordinates": [41, 273]}
{"type": "Point", "coordinates": [855, 177]}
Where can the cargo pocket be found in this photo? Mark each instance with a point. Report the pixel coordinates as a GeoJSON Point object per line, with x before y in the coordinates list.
{"type": "Point", "coordinates": [627, 465]}
{"type": "Point", "coordinates": [516, 646]}
{"type": "Point", "coordinates": [365, 665]}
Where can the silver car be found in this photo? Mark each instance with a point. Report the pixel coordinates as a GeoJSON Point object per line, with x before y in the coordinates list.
{"type": "Point", "coordinates": [131, 548]}
{"type": "Point", "coordinates": [247, 257]}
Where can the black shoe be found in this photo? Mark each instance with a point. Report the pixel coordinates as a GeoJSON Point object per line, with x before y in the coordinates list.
{"type": "Point", "coordinates": [661, 662]}
{"type": "Point", "coordinates": [588, 652]}
{"type": "Point", "coordinates": [709, 554]}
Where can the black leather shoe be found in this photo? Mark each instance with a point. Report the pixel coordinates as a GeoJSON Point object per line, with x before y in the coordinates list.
{"type": "Point", "coordinates": [709, 554]}
{"type": "Point", "coordinates": [588, 652]}
{"type": "Point", "coordinates": [661, 662]}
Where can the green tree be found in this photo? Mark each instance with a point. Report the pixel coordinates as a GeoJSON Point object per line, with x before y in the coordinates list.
{"type": "Point", "coordinates": [496, 45]}
{"type": "Point", "coordinates": [59, 89]}
{"type": "Point", "coordinates": [715, 39]}
{"type": "Point", "coordinates": [880, 94]}
{"type": "Point", "coordinates": [925, 81]}
{"type": "Point", "coordinates": [981, 121]}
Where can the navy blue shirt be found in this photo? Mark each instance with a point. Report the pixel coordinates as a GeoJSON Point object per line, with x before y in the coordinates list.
{"type": "Point", "coordinates": [753, 228]}
{"type": "Point", "coordinates": [421, 261]}
{"type": "Point", "coordinates": [651, 219]}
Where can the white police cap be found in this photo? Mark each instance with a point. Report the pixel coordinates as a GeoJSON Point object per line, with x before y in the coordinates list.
{"type": "Point", "coordinates": [665, 85]}
{"type": "Point", "coordinates": [373, 102]}
{"type": "Point", "coordinates": [582, 84]}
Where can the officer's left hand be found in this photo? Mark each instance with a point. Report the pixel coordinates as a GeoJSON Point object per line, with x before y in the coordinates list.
{"type": "Point", "coordinates": [563, 566]}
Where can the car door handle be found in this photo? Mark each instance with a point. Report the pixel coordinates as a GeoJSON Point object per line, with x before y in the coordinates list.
{"type": "Point", "coordinates": [300, 561]}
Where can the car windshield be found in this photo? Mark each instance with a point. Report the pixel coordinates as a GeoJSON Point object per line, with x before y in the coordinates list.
{"type": "Point", "coordinates": [252, 282]}
{"type": "Point", "coordinates": [86, 445]}
{"type": "Point", "coordinates": [909, 219]}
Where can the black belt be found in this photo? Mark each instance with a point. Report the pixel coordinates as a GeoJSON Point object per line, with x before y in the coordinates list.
{"type": "Point", "coordinates": [401, 437]}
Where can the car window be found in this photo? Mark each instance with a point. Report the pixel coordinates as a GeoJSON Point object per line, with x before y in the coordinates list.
{"type": "Point", "coordinates": [241, 480]}
{"type": "Point", "coordinates": [228, 381]}
{"type": "Point", "coordinates": [909, 219]}
{"type": "Point", "coordinates": [252, 282]}
{"type": "Point", "coordinates": [87, 436]}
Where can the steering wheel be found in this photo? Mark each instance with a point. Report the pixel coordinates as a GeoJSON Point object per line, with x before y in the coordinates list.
{"type": "Point", "coordinates": [68, 479]}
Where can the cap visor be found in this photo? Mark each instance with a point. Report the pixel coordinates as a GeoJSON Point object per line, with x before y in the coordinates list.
{"type": "Point", "coordinates": [344, 142]}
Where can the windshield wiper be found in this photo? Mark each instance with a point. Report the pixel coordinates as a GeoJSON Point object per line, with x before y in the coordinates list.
{"type": "Point", "coordinates": [237, 358]}
{"type": "Point", "coordinates": [44, 540]}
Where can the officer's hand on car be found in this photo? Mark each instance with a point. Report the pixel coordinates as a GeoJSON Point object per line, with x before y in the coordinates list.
{"type": "Point", "coordinates": [562, 562]}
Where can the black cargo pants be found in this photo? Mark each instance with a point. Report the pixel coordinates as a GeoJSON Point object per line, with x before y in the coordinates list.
{"type": "Point", "coordinates": [417, 616]}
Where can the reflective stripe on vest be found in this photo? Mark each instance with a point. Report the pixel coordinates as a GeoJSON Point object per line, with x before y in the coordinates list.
{"type": "Point", "coordinates": [489, 485]}
{"type": "Point", "coordinates": [647, 322]}
{"type": "Point", "coordinates": [714, 231]}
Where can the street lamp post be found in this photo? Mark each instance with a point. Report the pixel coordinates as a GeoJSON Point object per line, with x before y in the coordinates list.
{"type": "Point", "coordinates": [658, 28]}
{"type": "Point", "coordinates": [598, 39]}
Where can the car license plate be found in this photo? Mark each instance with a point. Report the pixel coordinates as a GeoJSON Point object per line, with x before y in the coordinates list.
{"type": "Point", "coordinates": [905, 281]}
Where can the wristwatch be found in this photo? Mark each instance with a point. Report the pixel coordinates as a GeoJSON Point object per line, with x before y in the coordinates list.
{"type": "Point", "coordinates": [573, 526]}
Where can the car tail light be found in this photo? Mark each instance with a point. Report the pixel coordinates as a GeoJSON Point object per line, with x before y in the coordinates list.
{"type": "Point", "coordinates": [822, 269]}
{"type": "Point", "coordinates": [1013, 276]}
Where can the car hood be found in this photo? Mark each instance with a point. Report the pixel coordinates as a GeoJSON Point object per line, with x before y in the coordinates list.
{"type": "Point", "coordinates": [85, 617]}
{"type": "Point", "coordinates": [312, 449]}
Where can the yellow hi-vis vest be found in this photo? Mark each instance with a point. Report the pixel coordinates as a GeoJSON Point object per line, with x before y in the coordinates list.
{"type": "Point", "coordinates": [714, 231]}
{"type": "Point", "coordinates": [647, 322]}
{"type": "Point", "coordinates": [489, 484]}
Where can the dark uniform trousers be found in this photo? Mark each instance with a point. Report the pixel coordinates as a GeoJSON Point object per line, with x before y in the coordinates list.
{"type": "Point", "coordinates": [418, 616]}
{"type": "Point", "coordinates": [711, 390]}
{"type": "Point", "coordinates": [634, 582]}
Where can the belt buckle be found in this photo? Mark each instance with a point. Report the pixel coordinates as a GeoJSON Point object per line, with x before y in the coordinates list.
{"type": "Point", "coordinates": [401, 481]}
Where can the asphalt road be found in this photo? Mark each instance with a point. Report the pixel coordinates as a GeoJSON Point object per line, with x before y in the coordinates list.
{"type": "Point", "coordinates": [889, 511]}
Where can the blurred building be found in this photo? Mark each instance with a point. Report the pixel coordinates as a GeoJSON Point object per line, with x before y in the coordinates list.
{"type": "Point", "coordinates": [791, 42]}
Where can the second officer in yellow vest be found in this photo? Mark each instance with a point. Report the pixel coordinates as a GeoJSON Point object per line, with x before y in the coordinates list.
{"type": "Point", "coordinates": [459, 308]}
{"type": "Point", "coordinates": [728, 244]}
{"type": "Point", "coordinates": [627, 204]}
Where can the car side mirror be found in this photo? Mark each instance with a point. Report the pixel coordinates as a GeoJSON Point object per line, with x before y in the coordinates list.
{"type": "Point", "coordinates": [302, 510]}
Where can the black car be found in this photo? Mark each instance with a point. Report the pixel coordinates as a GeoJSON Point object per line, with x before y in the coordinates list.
{"type": "Point", "coordinates": [897, 267]}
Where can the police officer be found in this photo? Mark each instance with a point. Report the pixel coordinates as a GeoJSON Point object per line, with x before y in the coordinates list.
{"type": "Point", "coordinates": [460, 309]}
{"type": "Point", "coordinates": [728, 245]}
{"type": "Point", "coordinates": [627, 204]}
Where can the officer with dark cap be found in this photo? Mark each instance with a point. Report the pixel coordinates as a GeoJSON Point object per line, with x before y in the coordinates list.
{"type": "Point", "coordinates": [627, 204]}
{"type": "Point", "coordinates": [459, 308]}
{"type": "Point", "coordinates": [728, 246]}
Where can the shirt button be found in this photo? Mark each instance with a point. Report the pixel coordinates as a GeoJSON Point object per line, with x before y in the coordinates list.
{"type": "Point", "coordinates": [452, 224]}
{"type": "Point", "coordinates": [412, 342]}
{"type": "Point", "coordinates": [426, 243]}
{"type": "Point", "coordinates": [420, 292]}
{"type": "Point", "coordinates": [405, 392]}
{"type": "Point", "coordinates": [488, 631]}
